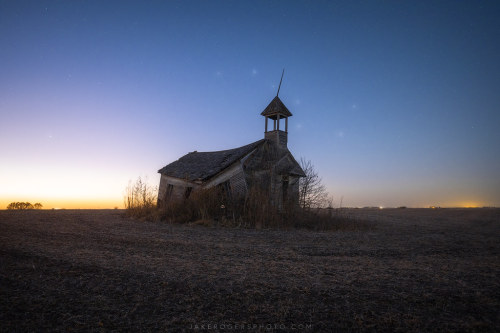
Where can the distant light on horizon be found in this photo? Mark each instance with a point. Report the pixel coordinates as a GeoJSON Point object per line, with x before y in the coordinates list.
{"type": "Point", "coordinates": [471, 205]}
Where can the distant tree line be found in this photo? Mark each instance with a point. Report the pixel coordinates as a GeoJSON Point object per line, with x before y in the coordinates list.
{"type": "Point", "coordinates": [24, 205]}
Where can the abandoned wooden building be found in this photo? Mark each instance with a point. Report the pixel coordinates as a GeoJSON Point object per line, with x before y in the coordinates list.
{"type": "Point", "coordinates": [266, 162]}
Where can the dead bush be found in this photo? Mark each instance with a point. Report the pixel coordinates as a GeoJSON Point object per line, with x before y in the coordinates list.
{"type": "Point", "coordinates": [140, 199]}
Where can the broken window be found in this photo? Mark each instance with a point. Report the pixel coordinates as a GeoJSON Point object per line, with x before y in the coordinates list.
{"type": "Point", "coordinates": [284, 188]}
{"type": "Point", "coordinates": [187, 193]}
{"type": "Point", "coordinates": [170, 189]}
{"type": "Point", "coordinates": [225, 189]}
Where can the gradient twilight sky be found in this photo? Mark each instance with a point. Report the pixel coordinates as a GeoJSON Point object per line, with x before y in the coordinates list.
{"type": "Point", "coordinates": [395, 102]}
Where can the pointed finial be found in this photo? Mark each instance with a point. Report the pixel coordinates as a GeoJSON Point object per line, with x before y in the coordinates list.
{"type": "Point", "coordinates": [280, 82]}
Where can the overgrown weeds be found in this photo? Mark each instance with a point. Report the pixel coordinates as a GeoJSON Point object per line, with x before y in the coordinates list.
{"type": "Point", "coordinates": [140, 199]}
{"type": "Point", "coordinates": [214, 207]}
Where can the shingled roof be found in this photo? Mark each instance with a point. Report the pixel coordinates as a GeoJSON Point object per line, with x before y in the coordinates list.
{"type": "Point", "coordinates": [276, 107]}
{"type": "Point", "coordinates": [203, 165]}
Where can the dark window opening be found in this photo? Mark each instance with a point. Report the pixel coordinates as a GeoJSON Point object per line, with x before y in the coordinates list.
{"type": "Point", "coordinates": [170, 189]}
{"type": "Point", "coordinates": [188, 192]}
{"type": "Point", "coordinates": [225, 189]}
{"type": "Point", "coordinates": [284, 188]}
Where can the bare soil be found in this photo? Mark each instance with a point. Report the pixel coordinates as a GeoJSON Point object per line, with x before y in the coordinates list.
{"type": "Point", "coordinates": [417, 270]}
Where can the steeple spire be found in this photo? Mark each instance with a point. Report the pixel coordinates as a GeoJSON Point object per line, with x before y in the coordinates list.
{"type": "Point", "coordinates": [283, 73]}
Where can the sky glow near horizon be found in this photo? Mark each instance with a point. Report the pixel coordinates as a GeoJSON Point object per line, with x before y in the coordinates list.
{"type": "Point", "coordinates": [395, 103]}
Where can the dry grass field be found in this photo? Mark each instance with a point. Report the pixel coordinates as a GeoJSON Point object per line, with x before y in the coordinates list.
{"type": "Point", "coordinates": [417, 270]}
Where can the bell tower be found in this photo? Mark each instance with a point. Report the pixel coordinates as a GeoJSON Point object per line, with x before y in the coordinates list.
{"type": "Point", "coordinates": [276, 111]}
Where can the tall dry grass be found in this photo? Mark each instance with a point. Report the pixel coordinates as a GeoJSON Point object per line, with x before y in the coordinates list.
{"type": "Point", "coordinates": [212, 207]}
{"type": "Point", "coordinates": [140, 199]}
{"type": "Point", "coordinates": [216, 207]}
